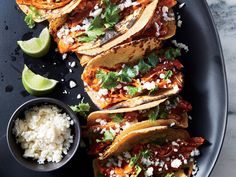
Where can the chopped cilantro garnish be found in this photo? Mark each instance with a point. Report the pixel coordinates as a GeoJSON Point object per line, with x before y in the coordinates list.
{"type": "Point", "coordinates": [109, 80]}
{"type": "Point", "coordinates": [168, 74]}
{"type": "Point", "coordinates": [169, 175]}
{"type": "Point", "coordinates": [111, 15]}
{"type": "Point", "coordinates": [82, 109]}
{"type": "Point", "coordinates": [163, 115]}
{"type": "Point", "coordinates": [134, 160]}
{"type": "Point", "coordinates": [29, 19]}
{"type": "Point", "coordinates": [153, 59]}
{"type": "Point", "coordinates": [143, 67]}
{"type": "Point", "coordinates": [152, 116]}
{"type": "Point", "coordinates": [127, 74]}
{"type": "Point", "coordinates": [145, 154]}
{"type": "Point", "coordinates": [151, 92]}
{"type": "Point", "coordinates": [117, 118]}
{"type": "Point", "coordinates": [100, 175]}
{"type": "Point", "coordinates": [99, 24]}
{"type": "Point", "coordinates": [132, 90]}
{"type": "Point", "coordinates": [138, 169]}
{"type": "Point", "coordinates": [172, 53]}
{"type": "Point", "coordinates": [108, 136]}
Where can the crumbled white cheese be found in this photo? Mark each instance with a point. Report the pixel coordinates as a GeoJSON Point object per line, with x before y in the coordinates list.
{"type": "Point", "coordinates": [176, 163]}
{"type": "Point", "coordinates": [158, 29]}
{"type": "Point", "coordinates": [102, 92]}
{"type": "Point", "coordinates": [149, 85]}
{"type": "Point", "coordinates": [162, 76]}
{"type": "Point", "coordinates": [179, 23]}
{"type": "Point", "coordinates": [64, 56]}
{"type": "Point", "coordinates": [195, 152]}
{"type": "Point", "coordinates": [72, 64]}
{"type": "Point", "coordinates": [44, 133]}
{"type": "Point", "coordinates": [180, 45]}
{"type": "Point", "coordinates": [96, 12]}
{"type": "Point", "coordinates": [181, 5]}
{"type": "Point", "coordinates": [78, 96]}
{"type": "Point", "coordinates": [149, 172]}
{"type": "Point", "coordinates": [165, 11]}
{"type": "Point", "coordinates": [72, 84]}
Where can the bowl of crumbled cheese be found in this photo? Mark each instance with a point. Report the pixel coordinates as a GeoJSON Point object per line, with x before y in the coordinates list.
{"type": "Point", "coordinates": [43, 134]}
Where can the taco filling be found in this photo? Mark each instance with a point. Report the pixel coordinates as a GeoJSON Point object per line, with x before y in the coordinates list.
{"type": "Point", "coordinates": [153, 74]}
{"type": "Point", "coordinates": [101, 21]}
{"type": "Point", "coordinates": [103, 132]}
{"type": "Point", "coordinates": [44, 4]}
{"type": "Point", "coordinates": [152, 159]}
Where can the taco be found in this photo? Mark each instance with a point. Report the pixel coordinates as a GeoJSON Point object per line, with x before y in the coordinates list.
{"type": "Point", "coordinates": [132, 75]}
{"type": "Point", "coordinates": [47, 9]}
{"type": "Point", "coordinates": [104, 127]}
{"type": "Point", "coordinates": [155, 151]}
{"type": "Point", "coordinates": [104, 24]}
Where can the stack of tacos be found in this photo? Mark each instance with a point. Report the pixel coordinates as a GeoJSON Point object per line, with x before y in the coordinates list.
{"type": "Point", "coordinates": [103, 24]}
{"type": "Point", "coordinates": [133, 76]}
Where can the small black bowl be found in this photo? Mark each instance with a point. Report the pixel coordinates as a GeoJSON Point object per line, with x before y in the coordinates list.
{"type": "Point", "coordinates": [17, 151]}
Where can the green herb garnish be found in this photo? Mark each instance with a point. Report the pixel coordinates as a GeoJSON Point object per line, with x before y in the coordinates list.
{"type": "Point", "coordinates": [172, 53]}
{"type": "Point", "coordinates": [169, 175]}
{"type": "Point", "coordinates": [132, 90]}
{"type": "Point", "coordinates": [117, 118]}
{"type": "Point", "coordinates": [109, 80]}
{"type": "Point", "coordinates": [29, 19]}
{"type": "Point", "coordinates": [138, 169]}
{"type": "Point", "coordinates": [134, 160]}
{"type": "Point", "coordinates": [82, 109]}
{"type": "Point", "coordinates": [168, 74]}
{"type": "Point", "coordinates": [108, 136]}
{"type": "Point", "coordinates": [153, 59]}
{"type": "Point", "coordinates": [99, 24]}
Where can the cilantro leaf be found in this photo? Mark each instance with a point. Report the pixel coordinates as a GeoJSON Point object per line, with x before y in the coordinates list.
{"type": "Point", "coordinates": [169, 175]}
{"type": "Point", "coordinates": [152, 116]}
{"type": "Point", "coordinates": [29, 19]}
{"type": "Point", "coordinates": [168, 74]}
{"type": "Point", "coordinates": [153, 59]}
{"type": "Point", "coordinates": [108, 136]}
{"type": "Point", "coordinates": [134, 160]}
{"type": "Point", "coordinates": [172, 53]}
{"type": "Point", "coordinates": [109, 80]}
{"type": "Point", "coordinates": [100, 175]}
{"type": "Point", "coordinates": [82, 109]}
{"type": "Point", "coordinates": [138, 169]}
{"type": "Point", "coordinates": [117, 118]}
{"type": "Point", "coordinates": [132, 90]}
{"type": "Point", "coordinates": [86, 38]}
{"type": "Point", "coordinates": [97, 22]}
{"type": "Point", "coordinates": [143, 67]}
{"type": "Point", "coordinates": [163, 115]}
{"type": "Point", "coordinates": [151, 92]}
{"type": "Point", "coordinates": [127, 74]}
{"type": "Point", "coordinates": [111, 15]}
{"type": "Point", "coordinates": [145, 154]}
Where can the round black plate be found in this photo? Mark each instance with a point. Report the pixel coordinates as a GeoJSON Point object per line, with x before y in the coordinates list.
{"type": "Point", "coordinates": [205, 85]}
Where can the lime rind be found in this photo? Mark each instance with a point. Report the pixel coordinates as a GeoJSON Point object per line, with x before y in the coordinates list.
{"type": "Point", "coordinates": [37, 47]}
{"type": "Point", "coordinates": [35, 84]}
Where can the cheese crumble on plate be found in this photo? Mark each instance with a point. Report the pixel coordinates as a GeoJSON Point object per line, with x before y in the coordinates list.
{"type": "Point", "coordinates": [44, 133]}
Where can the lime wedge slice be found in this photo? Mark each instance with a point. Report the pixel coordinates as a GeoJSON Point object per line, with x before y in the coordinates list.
{"type": "Point", "coordinates": [37, 47]}
{"type": "Point", "coordinates": [35, 84]}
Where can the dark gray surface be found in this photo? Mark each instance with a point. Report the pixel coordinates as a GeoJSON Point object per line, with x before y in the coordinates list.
{"type": "Point", "coordinates": [205, 85]}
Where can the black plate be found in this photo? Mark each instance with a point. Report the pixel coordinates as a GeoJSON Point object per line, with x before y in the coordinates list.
{"type": "Point", "coordinates": [205, 85]}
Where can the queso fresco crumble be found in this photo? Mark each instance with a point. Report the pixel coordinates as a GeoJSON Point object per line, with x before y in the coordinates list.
{"type": "Point", "coordinates": [44, 133]}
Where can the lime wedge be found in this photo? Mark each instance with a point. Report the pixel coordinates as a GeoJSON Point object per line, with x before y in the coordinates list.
{"type": "Point", "coordinates": [37, 47]}
{"type": "Point", "coordinates": [35, 84]}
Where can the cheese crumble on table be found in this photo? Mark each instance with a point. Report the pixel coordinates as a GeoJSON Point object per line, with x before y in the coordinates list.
{"type": "Point", "coordinates": [44, 133]}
